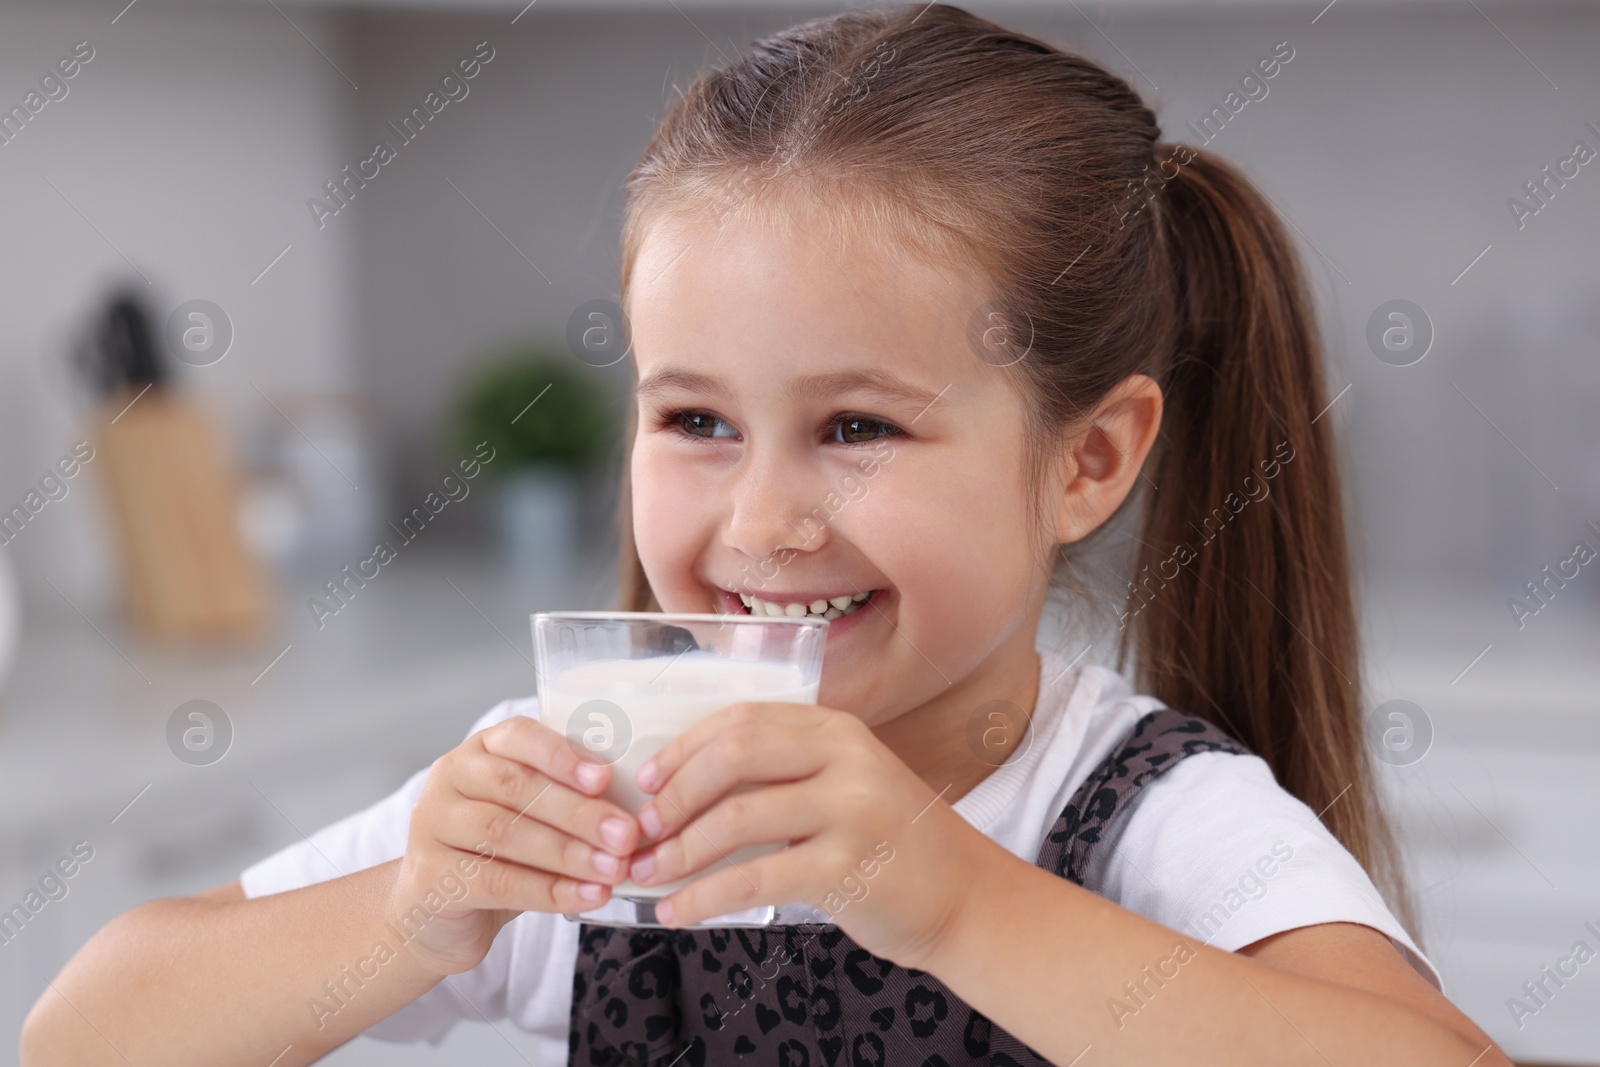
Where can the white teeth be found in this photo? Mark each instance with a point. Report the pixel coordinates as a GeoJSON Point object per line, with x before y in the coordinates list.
{"type": "Point", "coordinates": [826, 608]}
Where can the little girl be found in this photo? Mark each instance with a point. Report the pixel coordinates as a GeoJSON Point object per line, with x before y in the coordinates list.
{"type": "Point", "coordinates": [917, 304]}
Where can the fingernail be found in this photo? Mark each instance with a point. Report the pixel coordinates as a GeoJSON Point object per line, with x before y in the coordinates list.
{"type": "Point", "coordinates": [590, 774]}
{"type": "Point", "coordinates": [590, 890]}
{"type": "Point", "coordinates": [650, 821]}
{"type": "Point", "coordinates": [647, 775]}
{"type": "Point", "coordinates": [643, 867]}
{"type": "Point", "coordinates": [664, 911]}
{"type": "Point", "coordinates": [604, 862]}
{"type": "Point", "coordinates": [614, 831]}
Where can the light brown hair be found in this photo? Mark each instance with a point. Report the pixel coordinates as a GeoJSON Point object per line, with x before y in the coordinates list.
{"type": "Point", "coordinates": [1117, 254]}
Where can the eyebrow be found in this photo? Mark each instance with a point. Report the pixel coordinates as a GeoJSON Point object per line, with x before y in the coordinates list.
{"type": "Point", "coordinates": [810, 387]}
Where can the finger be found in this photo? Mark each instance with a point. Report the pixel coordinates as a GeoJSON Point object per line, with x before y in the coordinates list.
{"type": "Point", "coordinates": [749, 750]}
{"type": "Point", "coordinates": [529, 741]}
{"type": "Point", "coordinates": [777, 878]}
{"type": "Point", "coordinates": [501, 883]}
{"type": "Point", "coordinates": [474, 824]}
{"type": "Point", "coordinates": [777, 813]}
{"type": "Point", "coordinates": [670, 756]}
{"type": "Point", "coordinates": [532, 794]}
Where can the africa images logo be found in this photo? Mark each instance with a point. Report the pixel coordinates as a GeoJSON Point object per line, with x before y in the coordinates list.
{"type": "Point", "coordinates": [453, 87]}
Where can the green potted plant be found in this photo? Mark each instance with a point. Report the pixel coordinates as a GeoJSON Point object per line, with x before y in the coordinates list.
{"type": "Point", "coordinates": [550, 428]}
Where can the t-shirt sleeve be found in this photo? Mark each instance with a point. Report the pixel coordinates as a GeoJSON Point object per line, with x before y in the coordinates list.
{"type": "Point", "coordinates": [378, 835]}
{"type": "Point", "coordinates": [1217, 849]}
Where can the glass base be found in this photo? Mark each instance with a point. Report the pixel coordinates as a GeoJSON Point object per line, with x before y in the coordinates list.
{"type": "Point", "coordinates": [627, 911]}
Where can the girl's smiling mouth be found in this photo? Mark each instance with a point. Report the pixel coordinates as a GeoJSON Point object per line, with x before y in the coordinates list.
{"type": "Point", "coordinates": [796, 605]}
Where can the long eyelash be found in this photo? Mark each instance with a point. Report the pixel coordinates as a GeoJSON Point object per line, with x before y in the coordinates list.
{"type": "Point", "coordinates": [666, 419]}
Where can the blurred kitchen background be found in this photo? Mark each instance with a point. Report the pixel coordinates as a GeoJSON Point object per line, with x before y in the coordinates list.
{"type": "Point", "coordinates": [337, 369]}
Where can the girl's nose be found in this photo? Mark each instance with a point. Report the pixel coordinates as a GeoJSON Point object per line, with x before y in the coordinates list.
{"type": "Point", "coordinates": [771, 509]}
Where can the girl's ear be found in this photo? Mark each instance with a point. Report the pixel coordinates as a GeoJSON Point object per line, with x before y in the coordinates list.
{"type": "Point", "coordinates": [1098, 468]}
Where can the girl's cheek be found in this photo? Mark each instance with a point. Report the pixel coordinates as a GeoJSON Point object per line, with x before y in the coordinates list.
{"type": "Point", "coordinates": [960, 562]}
{"type": "Point", "coordinates": [667, 538]}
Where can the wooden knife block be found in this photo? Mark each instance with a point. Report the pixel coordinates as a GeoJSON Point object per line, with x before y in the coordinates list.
{"type": "Point", "coordinates": [174, 491]}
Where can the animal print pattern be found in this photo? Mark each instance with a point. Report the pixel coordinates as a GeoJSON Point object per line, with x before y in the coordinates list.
{"type": "Point", "coordinates": [806, 995]}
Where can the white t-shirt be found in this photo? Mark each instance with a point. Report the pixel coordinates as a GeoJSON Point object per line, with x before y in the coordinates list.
{"type": "Point", "coordinates": [1213, 848]}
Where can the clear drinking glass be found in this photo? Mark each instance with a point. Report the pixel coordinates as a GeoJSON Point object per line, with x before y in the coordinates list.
{"type": "Point", "coordinates": [620, 685]}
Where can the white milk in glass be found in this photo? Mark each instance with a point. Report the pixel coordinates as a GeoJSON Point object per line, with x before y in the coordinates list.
{"type": "Point", "coordinates": [662, 698]}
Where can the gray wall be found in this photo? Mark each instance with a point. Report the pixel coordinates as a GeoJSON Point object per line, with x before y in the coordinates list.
{"type": "Point", "coordinates": [185, 145]}
{"type": "Point", "coordinates": [194, 139]}
{"type": "Point", "coordinates": [1391, 140]}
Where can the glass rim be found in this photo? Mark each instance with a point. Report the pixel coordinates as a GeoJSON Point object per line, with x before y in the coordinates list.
{"type": "Point", "coordinates": [647, 616]}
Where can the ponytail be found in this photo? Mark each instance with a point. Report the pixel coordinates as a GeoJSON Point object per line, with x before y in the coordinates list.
{"type": "Point", "coordinates": [1259, 634]}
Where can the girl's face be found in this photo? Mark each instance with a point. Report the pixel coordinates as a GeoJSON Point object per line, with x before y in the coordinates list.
{"type": "Point", "coordinates": [813, 424]}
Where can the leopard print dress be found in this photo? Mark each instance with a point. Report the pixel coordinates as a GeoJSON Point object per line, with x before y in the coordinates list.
{"type": "Point", "coordinates": [807, 995]}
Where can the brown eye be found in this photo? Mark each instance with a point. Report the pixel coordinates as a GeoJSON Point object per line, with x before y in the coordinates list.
{"type": "Point", "coordinates": [701, 424]}
{"type": "Point", "coordinates": [855, 429]}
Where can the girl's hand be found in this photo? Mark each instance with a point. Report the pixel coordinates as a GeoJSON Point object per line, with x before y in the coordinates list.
{"type": "Point", "coordinates": [868, 844]}
{"type": "Point", "coordinates": [508, 821]}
